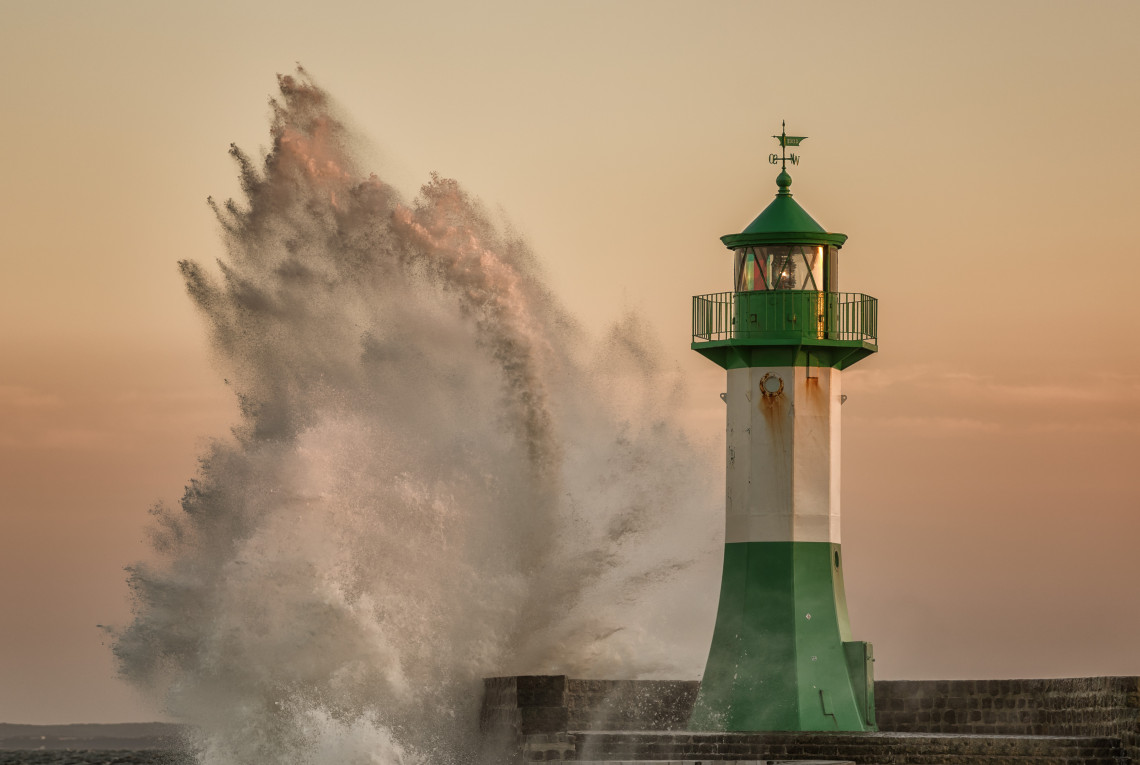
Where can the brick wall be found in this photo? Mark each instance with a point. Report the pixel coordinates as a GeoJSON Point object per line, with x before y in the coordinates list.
{"type": "Point", "coordinates": [630, 704]}
{"type": "Point", "coordinates": [1075, 706]}
{"type": "Point", "coordinates": [530, 704]}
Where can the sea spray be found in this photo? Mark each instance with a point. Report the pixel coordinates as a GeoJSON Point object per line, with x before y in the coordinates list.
{"type": "Point", "coordinates": [436, 476]}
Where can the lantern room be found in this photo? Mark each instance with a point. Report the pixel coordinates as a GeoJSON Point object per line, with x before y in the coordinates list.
{"type": "Point", "coordinates": [785, 267]}
{"type": "Point", "coordinates": [785, 249]}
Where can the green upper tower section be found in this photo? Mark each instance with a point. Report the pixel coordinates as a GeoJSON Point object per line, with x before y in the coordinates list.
{"type": "Point", "coordinates": [785, 307]}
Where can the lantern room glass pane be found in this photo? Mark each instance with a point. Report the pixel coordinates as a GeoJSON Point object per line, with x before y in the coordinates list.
{"type": "Point", "coordinates": [750, 274]}
{"type": "Point", "coordinates": [779, 267]}
{"type": "Point", "coordinates": [831, 269]}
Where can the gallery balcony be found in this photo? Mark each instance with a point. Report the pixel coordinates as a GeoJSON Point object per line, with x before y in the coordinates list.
{"type": "Point", "coordinates": [778, 327]}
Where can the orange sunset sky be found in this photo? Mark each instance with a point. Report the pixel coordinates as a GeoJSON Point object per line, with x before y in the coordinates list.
{"type": "Point", "coordinates": [982, 157]}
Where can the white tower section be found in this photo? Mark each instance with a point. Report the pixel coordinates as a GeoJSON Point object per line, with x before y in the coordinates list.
{"type": "Point", "coordinates": [783, 456]}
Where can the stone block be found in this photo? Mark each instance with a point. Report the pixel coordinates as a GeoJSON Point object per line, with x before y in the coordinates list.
{"type": "Point", "coordinates": [543, 719]}
{"type": "Point", "coordinates": [541, 690]}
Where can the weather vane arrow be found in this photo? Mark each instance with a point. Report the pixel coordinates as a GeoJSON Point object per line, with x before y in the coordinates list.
{"type": "Point", "coordinates": [785, 141]}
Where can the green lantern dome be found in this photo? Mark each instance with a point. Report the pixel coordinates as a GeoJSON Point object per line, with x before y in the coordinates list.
{"type": "Point", "coordinates": [783, 221]}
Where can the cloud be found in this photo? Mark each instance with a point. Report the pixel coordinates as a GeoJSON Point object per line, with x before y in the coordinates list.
{"type": "Point", "coordinates": [73, 438]}
{"type": "Point", "coordinates": [936, 425]}
{"type": "Point", "coordinates": [935, 400]}
{"type": "Point", "coordinates": [1062, 386]}
{"type": "Point", "coordinates": [23, 397]}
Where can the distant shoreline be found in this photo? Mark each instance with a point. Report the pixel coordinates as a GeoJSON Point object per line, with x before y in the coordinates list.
{"type": "Point", "coordinates": [135, 736]}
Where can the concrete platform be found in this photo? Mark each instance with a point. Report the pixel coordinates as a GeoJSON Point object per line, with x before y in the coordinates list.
{"type": "Point", "coordinates": [719, 762]}
{"type": "Point", "coordinates": [858, 748]}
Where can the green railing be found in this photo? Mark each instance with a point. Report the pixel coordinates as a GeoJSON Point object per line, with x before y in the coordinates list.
{"type": "Point", "coordinates": [792, 315]}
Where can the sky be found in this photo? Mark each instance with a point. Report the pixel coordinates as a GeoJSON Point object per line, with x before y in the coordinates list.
{"type": "Point", "coordinates": [981, 157]}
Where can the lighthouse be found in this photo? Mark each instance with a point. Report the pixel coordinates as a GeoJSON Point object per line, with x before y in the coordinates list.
{"type": "Point", "coordinates": [782, 655]}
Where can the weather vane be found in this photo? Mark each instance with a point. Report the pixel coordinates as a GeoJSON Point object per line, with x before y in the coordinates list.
{"type": "Point", "coordinates": [786, 140]}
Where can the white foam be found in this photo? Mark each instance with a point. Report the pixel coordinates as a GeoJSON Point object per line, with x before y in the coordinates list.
{"type": "Point", "coordinates": [436, 478]}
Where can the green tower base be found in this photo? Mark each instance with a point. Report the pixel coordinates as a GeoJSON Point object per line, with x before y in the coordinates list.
{"type": "Point", "coordinates": [782, 658]}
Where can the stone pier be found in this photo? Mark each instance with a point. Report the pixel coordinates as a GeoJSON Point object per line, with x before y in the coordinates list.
{"type": "Point", "coordinates": [553, 718]}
